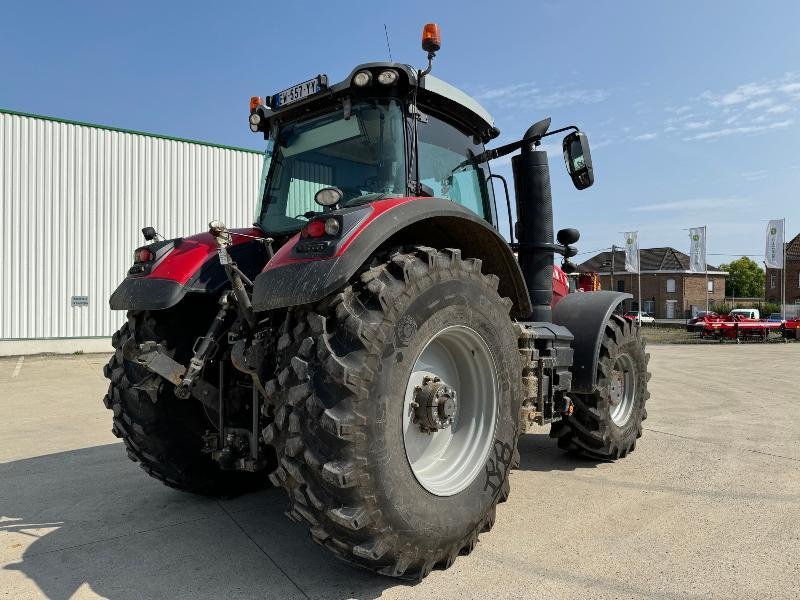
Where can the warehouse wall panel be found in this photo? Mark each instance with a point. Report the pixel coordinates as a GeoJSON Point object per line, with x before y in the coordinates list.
{"type": "Point", "coordinates": [74, 198]}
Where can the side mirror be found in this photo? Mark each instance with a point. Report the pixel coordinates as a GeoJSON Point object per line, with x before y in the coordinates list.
{"type": "Point", "coordinates": [578, 159]}
{"type": "Point", "coordinates": [149, 233]}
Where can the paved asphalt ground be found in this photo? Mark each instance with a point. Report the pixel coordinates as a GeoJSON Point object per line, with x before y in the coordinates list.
{"type": "Point", "coordinates": [707, 506]}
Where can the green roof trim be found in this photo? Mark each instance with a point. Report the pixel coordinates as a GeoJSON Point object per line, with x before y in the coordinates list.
{"type": "Point", "coordinates": [121, 130]}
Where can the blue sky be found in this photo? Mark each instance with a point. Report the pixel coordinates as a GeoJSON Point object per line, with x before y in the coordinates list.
{"type": "Point", "coordinates": [692, 108]}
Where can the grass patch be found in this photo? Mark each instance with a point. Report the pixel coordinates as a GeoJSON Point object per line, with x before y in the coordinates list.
{"type": "Point", "coordinates": [670, 335]}
{"type": "Point", "coordinates": [673, 335]}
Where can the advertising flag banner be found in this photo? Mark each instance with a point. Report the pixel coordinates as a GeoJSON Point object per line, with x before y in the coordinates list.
{"type": "Point", "coordinates": [697, 249]}
{"type": "Point", "coordinates": [773, 254]}
{"type": "Point", "coordinates": [632, 251]}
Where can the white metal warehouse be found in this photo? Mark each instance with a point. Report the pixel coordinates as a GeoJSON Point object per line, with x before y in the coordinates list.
{"type": "Point", "coordinates": [74, 197]}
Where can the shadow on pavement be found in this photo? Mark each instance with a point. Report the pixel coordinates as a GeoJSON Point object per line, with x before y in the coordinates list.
{"type": "Point", "coordinates": [91, 518]}
{"type": "Point", "coordinates": [538, 452]}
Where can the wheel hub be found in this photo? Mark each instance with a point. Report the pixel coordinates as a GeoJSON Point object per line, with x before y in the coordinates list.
{"type": "Point", "coordinates": [617, 388]}
{"type": "Point", "coordinates": [434, 405]}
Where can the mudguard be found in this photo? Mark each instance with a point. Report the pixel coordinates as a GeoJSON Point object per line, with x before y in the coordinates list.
{"type": "Point", "coordinates": [186, 265]}
{"type": "Point", "coordinates": [585, 314]}
{"type": "Point", "coordinates": [294, 278]}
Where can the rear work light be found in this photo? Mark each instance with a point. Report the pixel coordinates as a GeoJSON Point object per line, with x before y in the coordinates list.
{"type": "Point", "coordinates": [142, 255]}
{"type": "Point", "coordinates": [387, 77]}
{"type": "Point", "coordinates": [362, 78]}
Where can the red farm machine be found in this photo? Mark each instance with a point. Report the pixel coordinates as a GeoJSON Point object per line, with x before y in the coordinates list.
{"type": "Point", "coordinates": [371, 345]}
{"type": "Point", "coordinates": [737, 327]}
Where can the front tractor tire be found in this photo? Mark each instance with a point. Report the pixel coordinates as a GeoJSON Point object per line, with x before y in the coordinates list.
{"type": "Point", "coordinates": [605, 425]}
{"type": "Point", "coordinates": [396, 412]}
{"type": "Point", "coordinates": [161, 432]}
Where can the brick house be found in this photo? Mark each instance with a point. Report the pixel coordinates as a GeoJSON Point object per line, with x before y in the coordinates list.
{"type": "Point", "coordinates": [669, 289]}
{"type": "Point", "coordinates": [772, 282]}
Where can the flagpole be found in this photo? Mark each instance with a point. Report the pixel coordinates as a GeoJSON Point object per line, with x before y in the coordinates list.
{"type": "Point", "coordinates": [783, 285]}
{"type": "Point", "coordinates": [639, 271]}
{"type": "Point", "coordinates": [705, 261]}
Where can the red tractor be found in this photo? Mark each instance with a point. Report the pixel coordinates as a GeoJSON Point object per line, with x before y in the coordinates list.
{"type": "Point", "coordinates": [371, 345]}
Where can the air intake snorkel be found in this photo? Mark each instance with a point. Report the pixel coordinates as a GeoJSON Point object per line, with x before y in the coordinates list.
{"type": "Point", "coordinates": [534, 229]}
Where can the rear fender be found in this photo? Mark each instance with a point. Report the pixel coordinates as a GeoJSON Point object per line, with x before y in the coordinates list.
{"type": "Point", "coordinates": [585, 315]}
{"type": "Point", "coordinates": [293, 278]}
{"type": "Point", "coordinates": [191, 265]}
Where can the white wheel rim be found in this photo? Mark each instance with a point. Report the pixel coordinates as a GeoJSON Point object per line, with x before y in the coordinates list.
{"type": "Point", "coordinates": [448, 460]}
{"type": "Point", "coordinates": [622, 390]}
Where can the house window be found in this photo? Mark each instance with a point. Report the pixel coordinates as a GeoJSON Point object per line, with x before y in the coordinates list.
{"type": "Point", "coordinates": [710, 286]}
{"type": "Point", "coordinates": [772, 279]}
{"type": "Point", "coordinates": [620, 285]}
{"type": "Point", "coordinates": [649, 306]}
{"type": "Point", "coordinates": [670, 286]}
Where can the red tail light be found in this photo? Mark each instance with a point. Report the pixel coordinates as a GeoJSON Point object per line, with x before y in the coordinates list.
{"type": "Point", "coordinates": [141, 255]}
{"type": "Point", "coordinates": [313, 229]}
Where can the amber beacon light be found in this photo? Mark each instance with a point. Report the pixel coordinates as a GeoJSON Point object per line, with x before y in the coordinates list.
{"type": "Point", "coordinates": [255, 102]}
{"type": "Point", "coordinates": [431, 38]}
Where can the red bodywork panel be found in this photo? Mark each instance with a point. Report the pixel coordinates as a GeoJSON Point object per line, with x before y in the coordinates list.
{"type": "Point", "coordinates": [191, 254]}
{"type": "Point", "coordinates": [560, 285]}
{"type": "Point", "coordinates": [283, 255]}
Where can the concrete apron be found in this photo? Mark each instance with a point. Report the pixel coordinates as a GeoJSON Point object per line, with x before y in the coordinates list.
{"type": "Point", "coordinates": [55, 346]}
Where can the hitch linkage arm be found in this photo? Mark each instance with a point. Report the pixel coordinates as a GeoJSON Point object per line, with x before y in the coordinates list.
{"type": "Point", "coordinates": [204, 348]}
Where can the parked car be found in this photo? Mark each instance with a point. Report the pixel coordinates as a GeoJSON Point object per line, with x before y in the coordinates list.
{"type": "Point", "coordinates": [641, 317]}
{"type": "Point", "coordinates": [775, 318]}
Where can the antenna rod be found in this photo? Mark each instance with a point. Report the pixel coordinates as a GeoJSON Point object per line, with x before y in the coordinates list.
{"type": "Point", "coordinates": [388, 45]}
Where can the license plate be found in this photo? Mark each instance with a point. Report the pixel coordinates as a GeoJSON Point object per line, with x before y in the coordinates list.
{"type": "Point", "coordinates": [299, 91]}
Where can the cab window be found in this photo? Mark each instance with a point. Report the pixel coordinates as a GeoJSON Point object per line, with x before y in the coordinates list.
{"type": "Point", "coordinates": [443, 152]}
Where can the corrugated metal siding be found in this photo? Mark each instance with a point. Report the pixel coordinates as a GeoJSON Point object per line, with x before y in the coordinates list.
{"type": "Point", "coordinates": [74, 199]}
{"type": "Point", "coordinates": [307, 180]}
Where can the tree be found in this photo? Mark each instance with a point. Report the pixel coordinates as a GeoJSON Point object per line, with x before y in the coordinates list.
{"type": "Point", "coordinates": [745, 278]}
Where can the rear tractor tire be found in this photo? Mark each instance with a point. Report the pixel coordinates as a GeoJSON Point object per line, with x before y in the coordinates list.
{"type": "Point", "coordinates": [605, 425]}
{"type": "Point", "coordinates": [161, 432]}
{"type": "Point", "coordinates": [397, 410]}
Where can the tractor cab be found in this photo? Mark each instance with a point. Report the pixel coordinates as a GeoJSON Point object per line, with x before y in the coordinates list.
{"type": "Point", "coordinates": [385, 131]}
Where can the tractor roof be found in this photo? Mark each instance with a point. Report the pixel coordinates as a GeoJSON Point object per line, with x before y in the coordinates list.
{"type": "Point", "coordinates": [442, 88]}
{"type": "Point", "coordinates": [435, 96]}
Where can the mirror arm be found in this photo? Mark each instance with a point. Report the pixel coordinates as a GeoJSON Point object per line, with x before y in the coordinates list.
{"type": "Point", "coordinates": [488, 155]}
{"type": "Point", "coordinates": [562, 130]}
{"type": "Point", "coordinates": [565, 251]}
